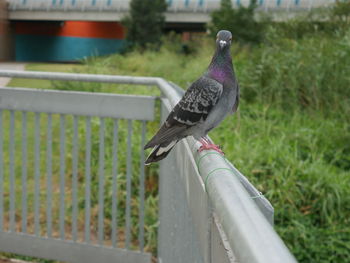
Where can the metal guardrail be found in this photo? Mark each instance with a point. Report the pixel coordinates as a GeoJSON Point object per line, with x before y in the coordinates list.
{"type": "Point", "coordinates": [173, 5]}
{"type": "Point", "coordinates": [42, 132]}
{"type": "Point", "coordinates": [206, 213]}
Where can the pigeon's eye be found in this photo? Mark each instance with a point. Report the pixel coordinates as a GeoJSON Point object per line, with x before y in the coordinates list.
{"type": "Point", "coordinates": [230, 38]}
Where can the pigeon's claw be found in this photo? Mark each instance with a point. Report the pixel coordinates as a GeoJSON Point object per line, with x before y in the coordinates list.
{"type": "Point", "coordinates": [211, 147]}
{"type": "Point", "coordinates": [207, 145]}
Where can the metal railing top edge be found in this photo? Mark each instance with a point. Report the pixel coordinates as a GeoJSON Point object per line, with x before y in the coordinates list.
{"type": "Point", "coordinates": [78, 77]}
{"type": "Point", "coordinates": [163, 85]}
{"type": "Point", "coordinates": [78, 103]}
{"type": "Point", "coordinates": [240, 217]}
{"type": "Point", "coordinates": [260, 200]}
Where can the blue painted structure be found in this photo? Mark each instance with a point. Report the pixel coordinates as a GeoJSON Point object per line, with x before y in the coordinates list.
{"type": "Point", "coordinates": [62, 48]}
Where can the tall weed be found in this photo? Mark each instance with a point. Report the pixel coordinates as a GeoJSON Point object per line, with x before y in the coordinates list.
{"type": "Point", "coordinates": [312, 73]}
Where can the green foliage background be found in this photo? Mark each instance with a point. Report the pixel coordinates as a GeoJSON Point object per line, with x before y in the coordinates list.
{"type": "Point", "coordinates": [241, 21]}
{"type": "Point", "coordinates": [291, 135]}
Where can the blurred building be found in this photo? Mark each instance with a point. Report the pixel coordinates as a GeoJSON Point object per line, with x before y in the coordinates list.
{"type": "Point", "coordinates": [6, 44]}
{"type": "Point", "coordinates": [70, 30]}
{"type": "Point", "coordinates": [66, 40]}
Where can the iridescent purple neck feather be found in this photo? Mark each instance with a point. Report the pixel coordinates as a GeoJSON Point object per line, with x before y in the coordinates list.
{"type": "Point", "coordinates": [221, 67]}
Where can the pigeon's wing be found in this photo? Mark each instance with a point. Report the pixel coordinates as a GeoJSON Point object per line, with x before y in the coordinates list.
{"type": "Point", "coordinates": [197, 102]}
{"type": "Point", "coordinates": [193, 108]}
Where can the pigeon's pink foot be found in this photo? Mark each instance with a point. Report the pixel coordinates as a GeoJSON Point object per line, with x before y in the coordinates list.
{"type": "Point", "coordinates": [207, 145]}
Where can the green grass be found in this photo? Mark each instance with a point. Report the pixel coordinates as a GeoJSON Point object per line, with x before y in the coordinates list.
{"type": "Point", "coordinates": [290, 136]}
{"type": "Point", "coordinates": [43, 84]}
{"type": "Point", "coordinates": [295, 162]}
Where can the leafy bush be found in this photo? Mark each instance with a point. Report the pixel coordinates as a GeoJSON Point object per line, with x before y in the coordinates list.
{"type": "Point", "coordinates": [341, 10]}
{"type": "Point", "coordinates": [328, 22]}
{"type": "Point", "coordinates": [241, 22]}
{"type": "Point", "coordinates": [145, 23]}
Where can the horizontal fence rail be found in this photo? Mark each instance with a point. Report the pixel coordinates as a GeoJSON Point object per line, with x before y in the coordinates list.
{"type": "Point", "coordinates": [173, 5]}
{"type": "Point", "coordinates": [163, 85]}
{"type": "Point", "coordinates": [208, 211]}
{"type": "Point", "coordinates": [90, 104]}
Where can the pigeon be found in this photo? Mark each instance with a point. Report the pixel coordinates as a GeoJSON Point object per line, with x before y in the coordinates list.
{"type": "Point", "coordinates": [203, 106]}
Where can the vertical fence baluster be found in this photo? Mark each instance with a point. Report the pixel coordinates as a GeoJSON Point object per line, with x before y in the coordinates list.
{"type": "Point", "coordinates": [37, 175]}
{"type": "Point", "coordinates": [12, 171]}
{"type": "Point", "coordinates": [62, 175]}
{"type": "Point", "coordinates": [128, 188]}
{"type": "Point", "coordinates": [87, 179]}
{"type": "Point", "coordinates": [1, 176]}
{"type": "Point", "coordinates": [75, 179]}
{"type": "Point", "coordinates": [49, 175]}
{"type": "Point", "coordinates": [142, 189]}
{"type": "Point", "coordinates": [114, 187]}
{"type": "Point", "coordinates": [24, 172]}
{"type": "Point", "coordinates": [101, 183]}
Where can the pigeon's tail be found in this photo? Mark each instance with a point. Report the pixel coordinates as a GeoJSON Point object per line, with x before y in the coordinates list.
{"type": "Point", "coordinates": [160, 151]}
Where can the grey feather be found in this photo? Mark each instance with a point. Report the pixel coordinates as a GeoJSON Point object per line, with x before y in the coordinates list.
{"type": "Point", "coordinates": [204, 105]}
{"type": "Point", "coordinates": [165, 134]}
{"type": "Point", "coordinates": [159, 152]}
{"type": "Point", "coordinates": [197, 102]}
{"type": "Point", "coordinates": [192, 109]}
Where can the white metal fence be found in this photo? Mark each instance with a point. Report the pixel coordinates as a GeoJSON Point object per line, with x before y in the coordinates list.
{"type": "Point", "coordinates": [208, 211]}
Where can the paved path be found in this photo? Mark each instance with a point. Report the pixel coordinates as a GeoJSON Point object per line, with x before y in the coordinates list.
{"type": "Point", "coordinates": [9, 66]}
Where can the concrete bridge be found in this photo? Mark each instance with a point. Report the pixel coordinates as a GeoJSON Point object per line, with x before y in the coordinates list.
{"type": "Point", "coordinates": [69, 30]}
{"type": "Point", "coordinates": [179, 11]}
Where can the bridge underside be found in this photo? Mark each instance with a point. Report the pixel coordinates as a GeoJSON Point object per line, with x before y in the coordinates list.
{"type": "Point", "coordinates": [179, 11]}
{"type": "Point", "coordinates": [68, 15]}
{"type": "Point", "coordinates": [171, 18]}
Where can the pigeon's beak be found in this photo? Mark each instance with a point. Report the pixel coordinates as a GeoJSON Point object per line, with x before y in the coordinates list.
{"type": "Point", "coordinates": [222, 43]}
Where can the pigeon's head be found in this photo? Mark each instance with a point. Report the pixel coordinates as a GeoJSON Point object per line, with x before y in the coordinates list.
{"type": "Point", "coordinates": [223, 39]}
